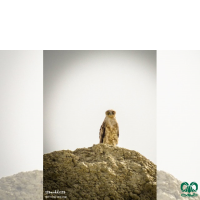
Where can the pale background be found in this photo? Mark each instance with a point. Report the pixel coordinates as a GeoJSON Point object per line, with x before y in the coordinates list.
{"type": "Point", "coordinates": [21, 111]}
{"type": "Point", "coordinates": [79, 86]}
{"type": "Point", "coordinates": [178, 114]}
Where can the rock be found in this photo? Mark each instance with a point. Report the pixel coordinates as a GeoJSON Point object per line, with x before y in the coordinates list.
{"type": "Point", "coordinates": [100, 172]}
{"type": "Point", "coordinates": [22, 186]}
{"type": "Point", "coordinates": [168, 188]}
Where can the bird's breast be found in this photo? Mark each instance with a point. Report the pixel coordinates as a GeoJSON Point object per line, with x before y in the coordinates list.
{"type": "Point", "coordinates": [111, 121]}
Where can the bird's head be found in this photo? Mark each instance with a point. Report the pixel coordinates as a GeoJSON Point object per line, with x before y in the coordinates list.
{"type": "Point", "coordinates": [110, 113]}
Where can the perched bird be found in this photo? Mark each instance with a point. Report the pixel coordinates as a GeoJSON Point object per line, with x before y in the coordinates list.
{"type": "Point", "coordinates": [109, 131]}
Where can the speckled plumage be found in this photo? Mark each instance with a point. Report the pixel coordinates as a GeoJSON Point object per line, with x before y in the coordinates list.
{"type": "Point", "coordinates": [109, 131]}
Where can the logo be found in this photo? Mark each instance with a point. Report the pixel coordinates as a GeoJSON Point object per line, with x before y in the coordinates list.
{"type": "Point", "coordinates": [191, 189]}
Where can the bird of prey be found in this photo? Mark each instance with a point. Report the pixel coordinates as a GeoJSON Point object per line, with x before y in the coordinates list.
{"type": "Point", "coordinates": [109, 131]}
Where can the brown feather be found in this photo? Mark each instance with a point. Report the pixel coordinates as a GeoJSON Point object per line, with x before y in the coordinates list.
{"type": "Point", "coordinates": [102, 132]}
{"type": "Point", "coordinates": [118, 132]}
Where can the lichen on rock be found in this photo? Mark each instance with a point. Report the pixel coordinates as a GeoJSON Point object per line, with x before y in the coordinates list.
{"type": "Point", "coordinates": [100, 172]}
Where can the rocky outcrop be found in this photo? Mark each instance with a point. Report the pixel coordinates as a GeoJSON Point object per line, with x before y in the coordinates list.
{"type": "Point", "coordinates": [168, 188]}
{"type": "Point", "coordinates": [22, 186]}
{"type": "Point", "coordinates": [100, 172]}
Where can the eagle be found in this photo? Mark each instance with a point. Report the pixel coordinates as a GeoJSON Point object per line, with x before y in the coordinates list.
{"type": "Point", "coordinates": [109, 130]}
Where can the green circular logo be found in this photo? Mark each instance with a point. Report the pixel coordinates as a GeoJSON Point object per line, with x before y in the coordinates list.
{"type": "Point", "coordinates": [189, 188]}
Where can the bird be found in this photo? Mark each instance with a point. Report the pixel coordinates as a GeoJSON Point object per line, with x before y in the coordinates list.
{"type": "Point", "coordinates": [109, 130]}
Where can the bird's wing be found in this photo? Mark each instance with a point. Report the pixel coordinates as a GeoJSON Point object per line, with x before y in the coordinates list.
{"type": "Point", "coordinates": [117, 130]}
{"type": "Point", "coordinates": [102, 132]}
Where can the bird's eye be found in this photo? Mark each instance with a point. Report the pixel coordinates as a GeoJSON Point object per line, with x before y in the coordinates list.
{"type": "Point", "coordinates": [113, 112]}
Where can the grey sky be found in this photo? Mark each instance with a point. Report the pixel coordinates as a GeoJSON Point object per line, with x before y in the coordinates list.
{"type": "Point", "coordinates": [21, 117]}
{"type": "Point", "coordinates": [79, 86]}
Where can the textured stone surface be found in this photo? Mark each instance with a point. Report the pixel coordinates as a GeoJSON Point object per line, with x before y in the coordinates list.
{"type": "Point", "coordinates": [100, 172]}
{"type": "Point", "coordinates": [22, 186]}
{"type": "Point", "coordinates": [168, 188]}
